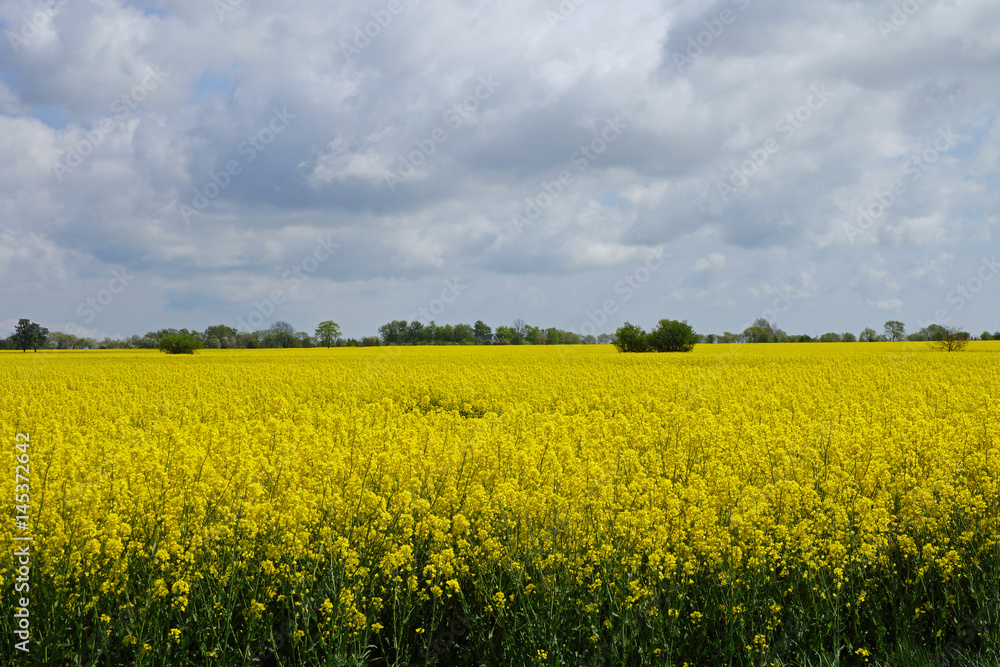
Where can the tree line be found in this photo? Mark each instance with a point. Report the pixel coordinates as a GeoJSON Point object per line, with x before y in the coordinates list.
{"type": "Point", "coordinates": [30, 335]}
{"type": "Point", "coordinates": [283, 335]}
{"type": "Point", "coordinates": [400, 332]}
{"type": "Point", "coordinates": [762, 331]}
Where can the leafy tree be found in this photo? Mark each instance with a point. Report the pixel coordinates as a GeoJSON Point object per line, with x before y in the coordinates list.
{"type": "Point", "coordinates": [29, 334]}
{"type": "Point", "coordinates": [757, 334]}
{"type": "Point", "coordinates": [672, 336]}
{"type": "Point", "coordinates": [631, 338]}
{"type": "Point", "coordinates": [868, 335]}
{"type": "Point", "coordinates": [179, 343]}
{"type": "Point", "coordinates": [848, 337]}
{"type": "Point", "coordinates": [508, 336]}
{"type": "Point", "coordinates": [554, 337]}
{"type": "Point", "coordinates": [590, 339]}
{"type": "Point", "coordinates": [605, 339]}
{"type": "Point", "coordinates": [894, 331]}
{"type": "Point", "coordinates": [762, 323]}
{"type": "Point", "coordinates": [950, 339]}
{"type": "Point", "coordinates": [221, 331]}
{"type": "Point", "coordinates": [328, 332]}
{"type": "Point", "coordinates": [480, 328]}
{"type": "Point", "coordinates": [464, 334]}
{"type": "Point", "coordinates": [64, 341]}
{"type": "Point", "coordinates": [535, 336]}
{"type": "Point", "coordinates": [985, 336]}
{"type": "Point", "coordinates": [281, 338]}
{"type": "Point", "coordinates": [830, 338]}
{"type": "Point", "coordinates": [282, 327]}
{"type": "Point", "coordinates": [393, 333]}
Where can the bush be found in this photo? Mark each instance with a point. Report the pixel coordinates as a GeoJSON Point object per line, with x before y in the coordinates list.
{"type": "Point", "coordinates": [179, 343]}
{"type": "Point", "coordinates": [672, 336]}
{"type": "Point", "coordinates": [630, 338]}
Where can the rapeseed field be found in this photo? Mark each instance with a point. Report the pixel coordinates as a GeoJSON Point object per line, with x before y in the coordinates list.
{"type": "Point", "coordinates": [739, 504]}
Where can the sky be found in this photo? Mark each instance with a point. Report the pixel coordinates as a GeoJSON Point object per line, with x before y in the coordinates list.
{"type": "Point", "coordinates": [826, 165]}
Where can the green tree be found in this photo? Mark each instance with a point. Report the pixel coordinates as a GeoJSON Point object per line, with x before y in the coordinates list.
{"type": "Point", "coordinates": [220, 331]}
{"type": "Point", "coordinates": [480, 328]}
{"type": "Point", "coordinates": [327, 332]}
{"type": "Point", "coordinates": [895, 331]}
{"type": "Point", "coordinates": [179, 343]}
{"type": "Point", "coordinates": [464, 334]}
{"type": "Point", "coordinates": [631, 338]}
{"type": "Point", "coordinates": [756, 334]}
{"type": "Point", "coordinates": [848, 337]}
{"type": "Point", "coordinates": [29, 334]}
{"type": "Point", "coordinates": [868, 335]}
{"type": "Point", "coordinates": [64, 341]}
{"type": "Point", "coordinates": [831, 337]}
{"type": "Point", "coordinates": [509, 336]}
{"type": "Point", "coordinates": [393, 333]}
{"type": "Point", "coordinates": [535, 336]}
{"type": "Point", "coordinates": [672, 336]}
{"type": "Point", "coordinates": [950, 339]}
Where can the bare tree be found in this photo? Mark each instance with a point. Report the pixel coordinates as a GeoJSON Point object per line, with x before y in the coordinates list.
{"type": "Point", "coordinates": [950, 339]}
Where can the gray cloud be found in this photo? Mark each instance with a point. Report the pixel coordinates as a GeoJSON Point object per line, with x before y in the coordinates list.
{"type": "Point", "coordinates": [266, 126]}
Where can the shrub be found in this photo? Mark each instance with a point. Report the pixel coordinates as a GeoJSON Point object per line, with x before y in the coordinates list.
{"type": "Point", "coordinates": [672, 336]}
{"type": "Point", "coordinates": [179, 343]}
{"type": "Point", "coordinates": [630, 338]}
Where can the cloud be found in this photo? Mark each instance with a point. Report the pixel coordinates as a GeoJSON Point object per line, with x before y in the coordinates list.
{"type": "Point", "coordinates": [714, 260]}
{"type": "Point", "coordinates": [420, 135]}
